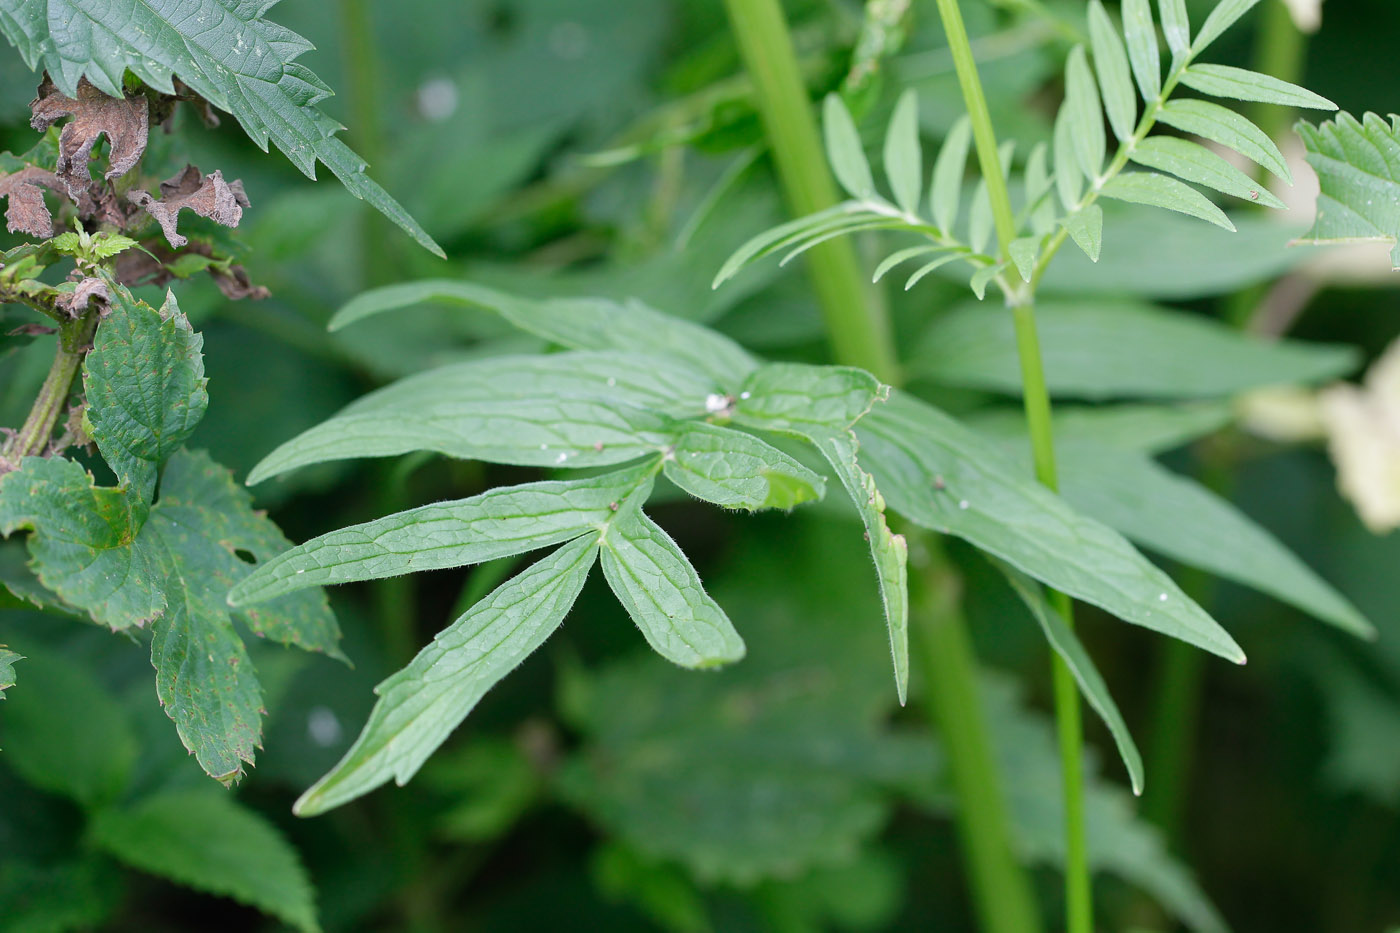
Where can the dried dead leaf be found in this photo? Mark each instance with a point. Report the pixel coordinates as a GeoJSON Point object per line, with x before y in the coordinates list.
{"type": "Point", "coordinates": [150, 267]}
{"type": "Point", "coordinates": [88, 291]}
{"type": "Point", "coordinates": [123, 120]}
{"type": "Point", "coordinates": [207, 195]}
{"type": "Point", "coordinates": [27, 212]}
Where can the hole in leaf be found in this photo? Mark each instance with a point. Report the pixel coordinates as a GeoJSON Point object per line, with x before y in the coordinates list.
{"type": "Point", "coordinates": [245, 555]}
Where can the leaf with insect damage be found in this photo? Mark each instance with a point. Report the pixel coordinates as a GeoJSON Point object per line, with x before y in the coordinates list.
{"type": "Point", "coordinates": [208, 196]}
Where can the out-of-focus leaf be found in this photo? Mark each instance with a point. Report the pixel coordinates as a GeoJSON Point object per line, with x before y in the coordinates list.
{"type": "Point", "coordinates": [1141, 35]}
{"type": "Point", "coordinates": [1358, 167]}
{"type": "Point", "coordinates": [69, 895]}
{"type": "Point", "coordinates": [7, 669]}
{"type": "Point", "coordinates": [1174, 355]}
{"type": "Point", "coordinates": [1085, 113]}
{"type": "Point", "coordinates": [948, 169]}
{"type": "Point", "coordinates": [421, 704]}
{"type": "Point", "coordinates": [1175, 25]}
{"type": "Point", "coordinates": [663, 594]}
{"type": "Point", "coordinates": [1111, 65]}
{"type": "Point", "coordinates": [1221, 18]}
{"type": "Point", "coordinates": [844, 150]}
{"type": "Point", "coordinates": [209, 842]}
{"type": "Point", "coordinates": [942, 476]}
{"type": "Point", "coordinates": [904, 165]}
{"type": "Point", "coordinates": [66, 734]}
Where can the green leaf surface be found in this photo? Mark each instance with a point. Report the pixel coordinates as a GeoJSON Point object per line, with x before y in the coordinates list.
{"type": "Point", "coordinates": [1228, 128]}
{"type": "Point", "coordinates": [944, 477]}
{"type": "Point", "coordinates": [738, 471]}
{"type": "Point", "coordinates": [889, 551]}
{"type": "Point", "coordinates": [577, 324]}
{"type": "Point", "coordinates": [785, 234]}
{"type": "Point", "coordinates": [1167, 193]}
{"type": "Point", "coordinates": [1069, 176]}
{"type": "Point", "coordinates": [844, 149]}
{"type": "Point", "coordinates": [1067, 645]}
{"type": "Point", "coordinates": [7, 669]}
{"type": "Point", "coordinates": [500, 522]}
{"type": "Point", "coordinates": [1085, 228]}
{"type": "Point", "coordinates": [1175, 355]}
{"type": "Point", "coordinates": [805, 401]}
{"type": "Point", "coordinates": [1085, 113]}
{"type": "Point", "coordinates": [1181, 519]}
{"type": "Point", "coordinates": [904, 165]}
{"type": "Point", "coordinates": [173, 572]}
{"type": "Point", "coordinates": [420, 705]}
{"type": "Point", "coordinates": [949, 167]}
{"type": "Point", "coordinates": [1024, 252]}
{"type": "Point", "coordinates": [224, 50]}
{"type": "Point", "coordinates": [1195, 163]}
{"type": "Point", "coordinates": [1111, 66]}
{"type": "Point", "coordinates": [1176, 26]}
{"type": "Point", "coordinates": [78, 894]}
{"type": "Point", "coordinates": [211, 843]}
{"type": "Point", "coordinates": [1358, 168]}
{"type": "Point", "coordinates": [1141, 35]}
{"type": "Point", "coordinates": [145, 387]}
{"type": "Point", "coordinates": [663, 594]}
{"type": "Point", "coordinates": [67, 734]}
{"type": "Point", "coordinates": [576, 409]}
{"type": "Point", "coordinates": [1221, 18]}
{"type": "Point", "coordinates": [1241, 84]}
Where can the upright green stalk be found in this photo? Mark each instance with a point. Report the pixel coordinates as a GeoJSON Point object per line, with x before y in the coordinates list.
{"type": "Point", "coordinates": [859, 335]}
{"type": "Point", "coordinates": [1079, 904]}
{"type": "Point", "coordinates": [857, 326]}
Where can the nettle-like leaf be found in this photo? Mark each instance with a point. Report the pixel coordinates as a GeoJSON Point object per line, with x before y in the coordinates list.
{"type": "Point", "coordinates": [1117, 78]}
{"type": "Point", "coordinates": [223, 50]}
{"type": "Point", "coordinates": [211, 843]}
{"type": "Point", "coordinates": [1358, 167]}
{"type": "Point", "coordinates": [7, 669]}
{"type": "Point", "coordinates": [638, 390]}
{"type": "Point", "coordinates": [130, 561]}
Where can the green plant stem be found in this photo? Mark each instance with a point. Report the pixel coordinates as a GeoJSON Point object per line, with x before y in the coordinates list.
{"type": "Point", "coordinates": [858, 328]}
{"type": "Point", "coordinates": [32, 439]}
{"type": "Point", "coordinates": [1001, 896]}
{"type": "Point", "coordinates": [1280, 50]}
{"type": "Point", "coordinates": [1079, 904]}
{"type": "Point", "coordinates": [363, 80]}
{"type": "Point", "coordinates": [860, 335]}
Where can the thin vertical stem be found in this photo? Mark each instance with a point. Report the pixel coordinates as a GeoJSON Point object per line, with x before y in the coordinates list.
{"type": "Point", "coordinates": [859, 335]}
{"type": "Point", "coordinates": [1079, 905]}
{"type": "Point", "coordinates": [857, 326]}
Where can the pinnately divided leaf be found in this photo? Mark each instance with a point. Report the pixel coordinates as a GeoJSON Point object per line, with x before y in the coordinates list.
{"type": "Point", "coordinates": [420, 705]}
{"type": "Point", "coordinates": [224, 50]}
{"type": "Point", "coordinates": [1226, 127]}
{"type": "Point", "coordinates": [1358, 167]}
{"type": "Point", "coordinates": [1195, 163]}
{"type": "Point", "coordinates": [663, 594]}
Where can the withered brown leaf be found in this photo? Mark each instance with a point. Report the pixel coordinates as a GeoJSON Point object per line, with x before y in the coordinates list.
{"type": "Point", "coordinates": [27, 212]}
{"type": "Point", "coordinates": [207, 195]}
{"type": "Point", "coordinates": [148, 267]}
{"type": "Point", "coordinates": [123, 120]}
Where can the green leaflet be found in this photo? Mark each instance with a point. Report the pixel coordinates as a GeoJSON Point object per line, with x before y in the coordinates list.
{"type": "Point", "coordinates": [1221, 18]}
{"type": "Point", "coordinates": [940, 475]}
{"type": "Point", "coordinates": [805, 401]}
{"type": "Point", "coordinates": [575, 409]}
{"type": "Point", "coordinates": [1174, 356]}
{"type": "Point", "coordinates": [7, 669]}
{"type": "Point", "coordinates": [1241, 84]}
{"type": "Point", "coordinates": [1111, 65]}
{"type": "Point", "coordinates": [889, 550]}
{"type": "Point", "coordinates": [1179, 518]}
{"type": "Point", "coordinates": [1141, 35]}
{"type": "Point", "coordinates": [1085, 228]}
{"type": "Point", "coordinates": [949, 167]}
{"type": "Point", "coordinates": [67, 734]}
{"type": "Point", "coordinates": [172, 571]}
{"type": "Point", "coordinates": [904, 165]}
{"type": "Point", "coordinates": [1175, 26]}
{"type": "Point", "coordinates": [209, 842]}
{"type": "Point", "coordinates": [1167, 193]}
{"type": "Point", "coordinates": [500, 522]}
{"type": "Point", "coordinates": [663, 594]}
{"type": "Point", "coordinates": [578, 324]}
{"type": "Point", "coordinates": [1224, 126]}
{"type": "Point", "coordinates": [223, 49]}
{"type": "Point", "coordinates": [145, 387]}
{"type": "Point", "coordinates": [1195, 163]}
{"type": "Point", "coordinates": [738, 471]}
{"type": "Point", "coordinates": [1084, 113]}
{"type": "Point", "coordinates": [1357, 164]}
{"type": "Point", "coordinates": [1067, 645]}
{"type": "Point", "coordinates": [420, 705]}
{"type": "Point", "coordinates": [844, 150]}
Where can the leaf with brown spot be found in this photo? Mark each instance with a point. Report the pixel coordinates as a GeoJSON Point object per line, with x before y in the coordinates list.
{"type": "Point", "coordinates": [123, 120]}
{"type": "Point", "coordinates": [207, 195]}
{"type": "Point", "coordinates": [27, 212]}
